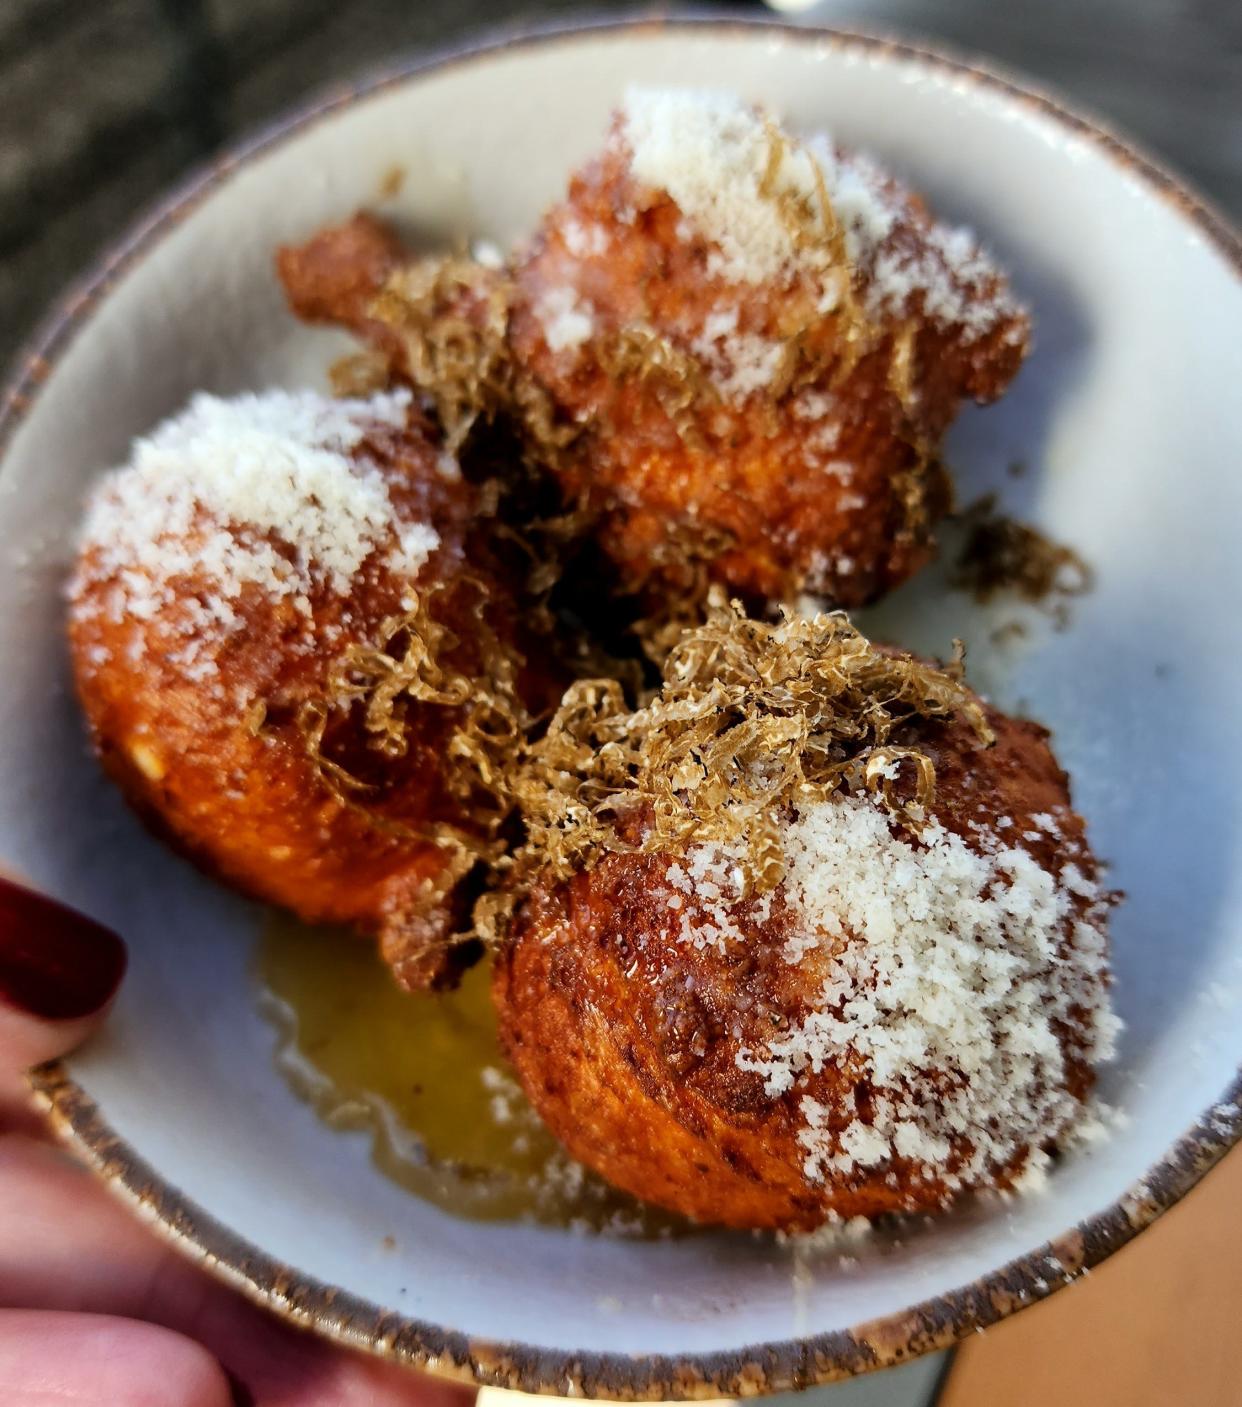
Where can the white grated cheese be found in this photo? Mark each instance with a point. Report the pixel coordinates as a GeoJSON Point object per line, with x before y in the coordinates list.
{"type": "Point", "coordinates": [738, 363]}
{"type": "Point", "coordinates": [583, 240]}
{"type": "Point", "coordinates": [943, 972]}
{"type": "Point", "coordinates": [260, 492]}
{"type": "Point", "coordinates": [948, 272]}
{"type": "Point", "coordinates": [488, 253]}
{"type": "Point", "coordinates": [813, 404]}
{"type": "Point", "coordinates": [567, 323]}
{"type": "Point", "coordinates": [715, 877]}
{"type": "Point", "coordinates": [710, 153]}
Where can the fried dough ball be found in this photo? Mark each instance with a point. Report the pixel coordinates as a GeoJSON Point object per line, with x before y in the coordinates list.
{"type": "Point", "coordinates": [336, 275]}
{"type": "Point", "coordinates": [910, 1006]}
{"type": "Point", "coordinates": [437, 323]}
{"type": "Point", "coordinates": [764, 341]}
{"type": "Point", "coordinates": [286, 634]}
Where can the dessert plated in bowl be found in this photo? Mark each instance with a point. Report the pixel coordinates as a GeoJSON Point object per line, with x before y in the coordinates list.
{"type": "Point", "coordinates": [1120, 416]}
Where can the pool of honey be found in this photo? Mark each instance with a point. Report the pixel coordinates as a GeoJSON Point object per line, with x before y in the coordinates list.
{"type": "Point", "coordinates": [423, 1074]}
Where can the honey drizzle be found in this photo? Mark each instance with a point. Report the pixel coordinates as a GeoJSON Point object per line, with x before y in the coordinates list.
{"type": "Point", "coordinates": [423, 1074]}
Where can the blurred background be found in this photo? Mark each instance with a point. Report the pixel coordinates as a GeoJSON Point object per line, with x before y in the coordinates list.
{"type": "Point", "coordinates": [104, 102]}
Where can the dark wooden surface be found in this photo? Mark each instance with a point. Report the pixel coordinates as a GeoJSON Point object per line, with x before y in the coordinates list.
{"type": "Point", "coordinates": [104, 102]}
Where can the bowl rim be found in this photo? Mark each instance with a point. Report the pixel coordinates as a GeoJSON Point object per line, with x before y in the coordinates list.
{"type": "Point", "coordinates": [749, 1370]}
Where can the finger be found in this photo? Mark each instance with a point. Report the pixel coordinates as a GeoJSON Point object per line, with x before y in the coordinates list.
{"type": "Point", "coordinates": [65, 1243]}
{"type": "Point", "coordinates": [49, 1359]}
{"type": "Point", "coordinates": [58, 972]}
{"type": "Point", "coordinates": [25, 1038]}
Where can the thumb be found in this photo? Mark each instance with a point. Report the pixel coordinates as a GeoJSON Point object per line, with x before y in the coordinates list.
{"type": "Point", "coordinates": [59, 970]}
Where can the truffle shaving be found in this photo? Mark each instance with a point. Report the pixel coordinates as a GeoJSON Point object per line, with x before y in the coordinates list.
{"type": "Point", "coordinates": [751, 718]}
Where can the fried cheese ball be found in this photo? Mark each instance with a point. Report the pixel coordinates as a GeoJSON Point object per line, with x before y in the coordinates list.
{"type": "Point", "coordinates": [437, 323]}
{"type": "Point", "coordinates": [335, 277]}
{"type": "Point", "coordinates": [913, 1010]}
{"type": "Point", "coordinates": [282, 631]}
{"type": "Point", "coordinates": [763, 341]}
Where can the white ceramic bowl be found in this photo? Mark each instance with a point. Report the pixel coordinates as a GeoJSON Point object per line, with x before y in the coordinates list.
{"type": "Point", "coordinates": [1126, 416]}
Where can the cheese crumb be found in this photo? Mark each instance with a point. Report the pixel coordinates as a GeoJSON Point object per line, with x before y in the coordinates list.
{"type": "Point", "coordinates": [738, 363]}
{"type": "Point", "coordinates": [567, 324]}
{"type": "Point", "coordinates": [488, 253]}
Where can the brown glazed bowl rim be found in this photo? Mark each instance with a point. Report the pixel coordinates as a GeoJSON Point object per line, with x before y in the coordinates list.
{"type": "Point", "coordinates": [753, 1369]}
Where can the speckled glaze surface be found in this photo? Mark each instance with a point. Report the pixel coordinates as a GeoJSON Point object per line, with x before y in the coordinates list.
{"type": "Point", "coordinates": [1122, 419]}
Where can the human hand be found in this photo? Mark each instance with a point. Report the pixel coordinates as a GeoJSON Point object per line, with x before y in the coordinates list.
{"type": "Point", "coordinates": [94, 1308]}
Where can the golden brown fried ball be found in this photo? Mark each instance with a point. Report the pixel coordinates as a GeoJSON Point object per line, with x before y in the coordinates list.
{"type": "Point", "coordinates": [336, 275]}
{"type": "Point", "coordinates": [437, 323]}
{"type": "Point", "coordinates": [248, 549]}
{"type": "Point", "coordinates": [763, 343]}
{"type": "Point", "coordinates": [912, 1012]}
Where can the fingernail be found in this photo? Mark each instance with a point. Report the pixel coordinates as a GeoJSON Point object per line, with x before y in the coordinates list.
{"type": "Point", "coordinates": [55, 963]}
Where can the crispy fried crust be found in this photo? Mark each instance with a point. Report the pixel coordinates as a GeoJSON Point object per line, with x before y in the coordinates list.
{"type": "Point", "coordinates": [437, 323]}
{"type": "Point", "coordinates": [234, 785]}
{"type": "Point", "coordinates": [335, 276]}
{"type": "Point", "coordinates": [626, 1039]}
{"type": "Point", "coordinates": [756, 485]}
{"type": "Point", "coordinates": [828, 480]}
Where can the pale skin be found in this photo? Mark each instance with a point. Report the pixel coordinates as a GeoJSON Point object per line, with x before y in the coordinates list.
{"type": "Point", "coordinates": [97, 1311]}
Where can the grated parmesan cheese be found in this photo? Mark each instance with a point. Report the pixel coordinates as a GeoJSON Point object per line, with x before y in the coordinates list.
{"type": "Point", "coordinates": [942, 973]}
{"type": "Point", "coordinates": [584, 241]}
{"type": "Point", "coordinates": [711, 153]}
{"type": "Point", "coordinates": [714, 876]}
{"type": "Point", "coordinates": [260, 492]}
{"type": "Point", "coordinates": [567, 323]}
{"type": "Point", "coordinates": [488, 253]}
{"type": "Point", "coordinates": [738, 363]}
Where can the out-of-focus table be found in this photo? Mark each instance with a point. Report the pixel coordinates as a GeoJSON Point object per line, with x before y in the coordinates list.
{"type": "Point", "coordinates": [102, 104]}
{"type": "Point", "coordinates": [1157, 1324]}
{"type": "Point", "coordinates": [1166, 72]}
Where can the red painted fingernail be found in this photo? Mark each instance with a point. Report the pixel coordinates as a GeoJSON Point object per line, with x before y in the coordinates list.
{"type": "Point", "coordinates": [54, 962]}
